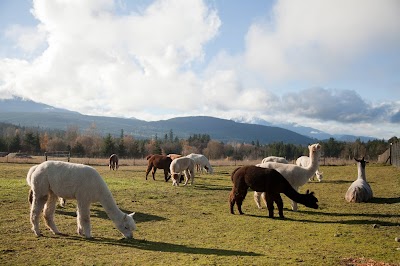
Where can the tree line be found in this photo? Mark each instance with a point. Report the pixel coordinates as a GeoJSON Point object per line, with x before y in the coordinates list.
{"type": "Point", "coordinates": [89, 143]}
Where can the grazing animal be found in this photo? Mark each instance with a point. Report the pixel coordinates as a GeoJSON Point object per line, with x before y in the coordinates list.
{"type": "Point", "coordinates": [296, 175]}
{"type": "Point", "coordinates": [156, 161]}
{"type": "Point", "coordinates": [113, 162]}
{"type": "Point", "coordinates": [62, 201]}
{"type": "Point", "coordinates": [305, 161]}
{"type": "Point", "coordinates": [173, 156]}
{"type": "Point", "coordinates": [53, 179]}
{"type": "Point", "coordinates": [274, 159]}
{"type": "Point", "coordinates": [359, 190]}
{"type": "Point", "coordinates": [201, 161]}
{"type": "Point", "coordinates": [270, 182]}
{"type": "Point", "coordinates": [179, 165]}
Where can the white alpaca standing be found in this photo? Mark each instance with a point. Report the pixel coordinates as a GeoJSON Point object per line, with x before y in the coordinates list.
{"type": "Point", "coordinates": [274, 159]}
{"type": "Point", "coordinates": [296, 175]}
{"type": "Point", "coordinates": [53, 179]}
{"type": "Point", "coordinates": [359, 190]}
{"type": "Point", "coordinates": [305, 161]}
{"type": "Point", "coordinates": [202, 161]}
{"type": "Point", "coordinates": [179, 165]}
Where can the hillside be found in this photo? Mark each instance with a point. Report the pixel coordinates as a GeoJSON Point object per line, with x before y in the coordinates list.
{"type": "Point", "coordinates": [28, 113]}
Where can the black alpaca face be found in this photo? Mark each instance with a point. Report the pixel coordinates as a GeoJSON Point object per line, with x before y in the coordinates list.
{"type": "Point", "coordinates": [311, 200]}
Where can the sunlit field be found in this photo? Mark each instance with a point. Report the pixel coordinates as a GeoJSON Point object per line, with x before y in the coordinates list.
{"type": "Point", "coordinates": [193, 226]}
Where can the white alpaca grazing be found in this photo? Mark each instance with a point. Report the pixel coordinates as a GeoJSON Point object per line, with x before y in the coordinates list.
{"type": "Point", "coordinates": [274, 159]}
{"type": "Point", "coordinates": [53, 179]}
{"type": "Point", "coordinates": [201, 161]}
{"type": "Point", "coordinates": [179, 165]}
{"type": "Point", "coordinates": [359, 191]}
{"type": "Point", "coordinates": [62, 201]}
{"type": "Point", "coordinates": [296, 175]}
{"type": "Point", "coordinates": [305, 161]}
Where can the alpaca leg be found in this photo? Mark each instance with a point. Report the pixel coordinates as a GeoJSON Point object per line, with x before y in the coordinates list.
{"type": "Point", "coordinates": [240, 196]}
{"type": "Point", "coordinates": [49, 210]}
{"type": "Point", "coordinates": [270, 204]}
{"type": "Point", "coordinates": [279, 203]}
{"type": "Point", "coordinates": [38, 203]}
{"type": "Point", "coordinates": [257, 196]}
{"type": "Point", "coordinates": [83, 219]}
{"type": "Point", "coordinates": [186, 177]}
{"type": "Point", "coordinates": [166, 175]}
{"type": "Point", "coordinates": [148, 170]}
{"type": "Point", "coordinates": [191, 172]}
{"type": "Point", "coordinates": [153, 173]}
{"type": "Point", "coordinates": [62, 202]}
{"type": "Point", "coordinates": [293, 203]}
{"type": "Point", "coordinates": [232, 200]}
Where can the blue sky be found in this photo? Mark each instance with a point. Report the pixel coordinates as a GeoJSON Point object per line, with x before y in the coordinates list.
{"type": "Point", "coordinates": [331, 65]}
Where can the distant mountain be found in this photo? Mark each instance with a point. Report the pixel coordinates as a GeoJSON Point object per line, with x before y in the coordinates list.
{"type": "Point", "coordinates": [28, 113]}
{"type": "Point", "coordinates": [18, 104]}
{"type": "Point", "coordinates": [306, 131]}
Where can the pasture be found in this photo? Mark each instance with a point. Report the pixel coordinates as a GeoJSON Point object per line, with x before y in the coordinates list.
{"type": "Point", "coordinates": [192, 225]}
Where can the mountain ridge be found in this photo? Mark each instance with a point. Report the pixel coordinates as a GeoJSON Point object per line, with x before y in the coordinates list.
{"type": "Point", "coordinates": [24, 112]}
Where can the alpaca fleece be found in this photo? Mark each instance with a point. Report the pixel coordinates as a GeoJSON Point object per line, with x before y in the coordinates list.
{"type": "Point", "coordinates": [269, 181]}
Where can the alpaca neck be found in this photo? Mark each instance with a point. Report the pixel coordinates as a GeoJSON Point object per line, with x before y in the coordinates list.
{"type": "Point", "coordinates": [314, 161]}
{"type": "Point", "coordinates": [111, 208]}
{"type": "Point", "coordinates": [292, 194]}
{"type": "Point", "coordinates": [361, 172]}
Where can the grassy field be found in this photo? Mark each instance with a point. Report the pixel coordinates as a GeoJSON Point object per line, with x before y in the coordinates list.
{"type": "Point", "coordinates": [192, 225]}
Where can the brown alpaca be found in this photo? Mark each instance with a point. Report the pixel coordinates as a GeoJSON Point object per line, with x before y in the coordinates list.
{"type": "Point", "coordinates": [156, 161]}
{"type": "Point", "coordinates": [113, 162]}
{"type": "Point", "coordinates": [269, 181]}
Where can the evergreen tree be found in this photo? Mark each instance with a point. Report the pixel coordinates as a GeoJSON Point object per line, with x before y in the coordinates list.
{"type": "Point", "coordinates": [108, 145]}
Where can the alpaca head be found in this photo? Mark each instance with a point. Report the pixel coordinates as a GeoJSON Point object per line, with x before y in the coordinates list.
{"type": "Point", "coordinates": [319, 176]}
{"type": "Point", "coordinates": [127, 225]}
{"type": "Point", "coordinates": [361, 161]}
{"type": "Point", "coordinates": [310, 200]}
{"type": "Point", "coordinates": [315, 150]}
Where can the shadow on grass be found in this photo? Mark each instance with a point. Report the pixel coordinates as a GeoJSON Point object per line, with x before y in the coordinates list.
{"type": "Point", "coordinates": [374, 218]}
{"type": "Point", "coordinates": [378, 200]}
{"type": "Point", "coordinates": [337, 181]}
{"type": "Point", "coordinates": [213, 187]}
{"type": "Point", "coordinates": [138, 217]}
{"type": "Point", "coordinates": [165, 247]}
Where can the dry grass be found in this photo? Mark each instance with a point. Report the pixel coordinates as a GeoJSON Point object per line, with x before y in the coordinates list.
{"type": "Point", "coordinates": [192, 225]}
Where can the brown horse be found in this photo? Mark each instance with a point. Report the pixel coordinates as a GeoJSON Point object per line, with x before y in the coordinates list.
{"type": "Point", "coordinates": [113, 162]}
{"type": "Point", "coordinates": [156, 161]}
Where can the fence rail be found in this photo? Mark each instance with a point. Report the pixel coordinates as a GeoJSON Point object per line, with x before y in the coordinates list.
{"type": "Point", "coordinates": [58, 154]}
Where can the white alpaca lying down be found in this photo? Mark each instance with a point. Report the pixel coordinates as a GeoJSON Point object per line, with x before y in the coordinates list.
{"type": "Point", "coordinates": [179, 165]}
{"type": "Point", "coordinates": [202, 161]}
{"type": "Point", "coordinates": [274, 159]}
{"type": "Point", "coordinates": [53, 179]}
{"type": "Point", "coordinates": [359, 190]}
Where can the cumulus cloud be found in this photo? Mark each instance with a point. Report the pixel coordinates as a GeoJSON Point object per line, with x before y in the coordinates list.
{"type": "Point", "coordinates": [103, 63]}
{"type": "Point", "coordinates": [344, 106]}
{"type": "Point", "coordinates": [318, 40]}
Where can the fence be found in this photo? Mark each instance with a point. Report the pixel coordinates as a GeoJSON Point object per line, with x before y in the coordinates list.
{"type": "Point", "coordinates": [58, 154]}
{"type": "Point", "coordinates": [391, 155]}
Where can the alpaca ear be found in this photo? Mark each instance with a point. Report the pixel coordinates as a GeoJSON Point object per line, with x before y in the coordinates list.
{"type": "Point", "coordinates": [308, 191]}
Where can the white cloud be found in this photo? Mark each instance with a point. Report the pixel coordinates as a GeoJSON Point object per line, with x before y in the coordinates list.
{"type": "Point", "coordinates": [317, 40]}
{"type": "Point", "coordinates": [97, 61]}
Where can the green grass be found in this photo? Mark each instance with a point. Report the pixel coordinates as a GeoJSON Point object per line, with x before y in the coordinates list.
{"type": "Point", "coordinates": [192, 225]}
